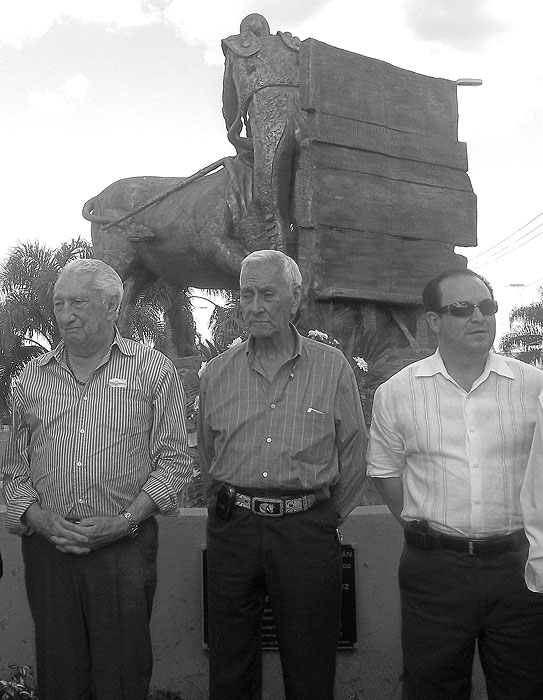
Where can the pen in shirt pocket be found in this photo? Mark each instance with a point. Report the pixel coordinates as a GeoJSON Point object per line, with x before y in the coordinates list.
{"type": "Point", "coordinates": [314, 410]}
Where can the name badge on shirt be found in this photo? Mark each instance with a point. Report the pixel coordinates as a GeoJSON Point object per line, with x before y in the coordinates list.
{"type": "Point", "coordinates": [117, 383]}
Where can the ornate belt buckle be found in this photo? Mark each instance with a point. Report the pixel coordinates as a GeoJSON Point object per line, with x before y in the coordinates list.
{"type": "Point", "coordinates": [272, 507]}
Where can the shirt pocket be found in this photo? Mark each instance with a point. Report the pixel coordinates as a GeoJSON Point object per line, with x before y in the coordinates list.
{"type": "Point", "coordinates": [313, 436]}
{"type": "Point", "coordinates": [126, 411]}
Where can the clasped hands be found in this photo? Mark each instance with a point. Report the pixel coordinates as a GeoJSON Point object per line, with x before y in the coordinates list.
{"type": "Point", "coordinates": [76, 537]}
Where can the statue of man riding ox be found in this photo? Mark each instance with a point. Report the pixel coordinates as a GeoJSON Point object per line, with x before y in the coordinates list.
{"type": "Point", "coordinates": [194, 232]}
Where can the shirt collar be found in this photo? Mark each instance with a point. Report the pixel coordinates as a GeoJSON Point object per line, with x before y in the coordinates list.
{"type": "Point", "coordinates": [250, 347]}
{"type": "Point", "coordinates": [434, 365]}
{"type": "Point", "coordinates": [57, 353]}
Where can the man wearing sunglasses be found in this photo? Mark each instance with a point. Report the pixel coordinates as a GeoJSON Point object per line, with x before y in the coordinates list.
{"type": "Point", "coordinates": [449, 444]}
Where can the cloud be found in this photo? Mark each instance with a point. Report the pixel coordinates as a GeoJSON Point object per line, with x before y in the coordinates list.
{"type": "Point", "coordinates": [62, 101]}
{"type": "Point", "coordinates": [197, 24]}
{"type": "Point", "coordinates": [33, 18]}
{"type": "Point", "coordinates": [76, 87]}
{"type": "Point", "coordinates": [462, 24]}
{"type": "Point", "coordinates": [204, 22]}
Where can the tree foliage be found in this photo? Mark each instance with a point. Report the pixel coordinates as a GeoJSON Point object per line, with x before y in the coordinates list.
{"type": "Point", "coordinates": [27, 322]}
{"type": "Point", "coordinates": [27, 278]}
{"type": "Point", "coordinates": [162, 317]}
{"type": "Point", "coordinates": [524, 340]}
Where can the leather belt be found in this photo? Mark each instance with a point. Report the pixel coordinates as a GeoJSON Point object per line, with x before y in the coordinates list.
{"type": "Point", "coordinates": [276, 506]}
{"type": "Point", "coordinates": [489, 546]}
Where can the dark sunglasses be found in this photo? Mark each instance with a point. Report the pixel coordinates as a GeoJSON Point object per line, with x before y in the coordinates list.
{"type": "Point", "coordinates": [463, 309]}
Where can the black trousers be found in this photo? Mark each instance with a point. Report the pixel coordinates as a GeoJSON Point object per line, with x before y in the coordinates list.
{"type": "Point", "coordinates": [298, 556]}
{"type": "Point", "coordinates": [91, 614]}
{"type": "Point", "coordinates": [450, 601]}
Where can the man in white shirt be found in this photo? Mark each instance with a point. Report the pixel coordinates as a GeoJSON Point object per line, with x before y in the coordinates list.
{"type": "Point", "coordinates": [531, 498]}
{"type": "Point", "coordinates": [449, 445]}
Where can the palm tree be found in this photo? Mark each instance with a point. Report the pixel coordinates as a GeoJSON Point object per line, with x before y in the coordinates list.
{"type": "Point", "coordinates": [27, 321]}
{"type": "Point", "coordinates": [525, 338]}
{"type": "Point", "coordinates": [27, 279]}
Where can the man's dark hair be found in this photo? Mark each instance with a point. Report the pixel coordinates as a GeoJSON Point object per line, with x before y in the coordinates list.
{"type": "Point", "coordinates": [431, 294]}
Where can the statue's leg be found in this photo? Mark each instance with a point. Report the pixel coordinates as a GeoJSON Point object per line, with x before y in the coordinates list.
{"type": "Point", "coordinates": [275, 151]}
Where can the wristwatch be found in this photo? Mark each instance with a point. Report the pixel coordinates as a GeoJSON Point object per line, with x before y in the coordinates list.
{"type": "Point", "coordinates": [134, 527]}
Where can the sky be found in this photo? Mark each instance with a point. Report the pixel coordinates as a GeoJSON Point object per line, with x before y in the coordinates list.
{"type": "Point", "coordinates": [97, 90]}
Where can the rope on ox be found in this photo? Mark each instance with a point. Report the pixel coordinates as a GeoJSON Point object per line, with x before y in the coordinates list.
{"type": "Point", "coordinates": [159, 197]}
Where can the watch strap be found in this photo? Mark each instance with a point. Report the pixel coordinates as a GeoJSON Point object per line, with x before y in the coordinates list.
{"type": "Point", "coordinates": [134, 527]}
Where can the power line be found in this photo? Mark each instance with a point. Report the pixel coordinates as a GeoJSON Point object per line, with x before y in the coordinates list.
{"type": "Point", "coordinates": [507, 239]}
{"type": "Point", "coordinates": [539, 279]}
{"type": "Point", "coordinates": [506, 251]}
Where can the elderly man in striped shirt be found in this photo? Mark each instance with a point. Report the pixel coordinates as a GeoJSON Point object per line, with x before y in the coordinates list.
{"type": "Point", "coordinates": [449, 445]}
{"type": "Point", "coordinates": [98, 447]}
{"type": "Point", "coordinates": [282, 442]}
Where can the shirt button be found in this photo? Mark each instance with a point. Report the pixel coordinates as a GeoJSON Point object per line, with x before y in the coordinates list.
{"type": "Point", "coordinates": [80, 500]}
{"type": "Point", "coordinates": [82, 430]}
{"type": "Point", "coordinates": [79, 464]}
{"type": "Point", "coordinates": [272, 405]}
{"type": "Point", "coordinates": [264, 473]}
{"type": "Point", "coordinates": [268, 439]}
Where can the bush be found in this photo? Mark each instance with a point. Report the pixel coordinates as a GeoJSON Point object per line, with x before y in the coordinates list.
{"type": "Point", "coordinates": [21, 686]}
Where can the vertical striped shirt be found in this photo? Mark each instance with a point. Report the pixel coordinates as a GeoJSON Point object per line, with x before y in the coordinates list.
{"type": "Point", "coordinates": [462, 455]}
{"type": "Point", "coordinates": [84, 451]}
{"type": "Point", "coordinates": [304, 431]}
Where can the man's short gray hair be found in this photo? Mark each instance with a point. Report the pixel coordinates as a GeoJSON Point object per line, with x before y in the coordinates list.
{"type": "Point", "coordinates": [104, 278]}
{"type": "Point", "coordinates": [289, 270]}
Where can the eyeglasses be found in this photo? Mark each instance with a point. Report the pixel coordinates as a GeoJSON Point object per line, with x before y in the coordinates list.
{"type": "Point", "coordinates": [463, 309]}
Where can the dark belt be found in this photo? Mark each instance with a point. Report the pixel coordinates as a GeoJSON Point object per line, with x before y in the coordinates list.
{"type": "Point", "coordinates": [486, 547]}
{"type": "Point", "coordinates": [276, 506]}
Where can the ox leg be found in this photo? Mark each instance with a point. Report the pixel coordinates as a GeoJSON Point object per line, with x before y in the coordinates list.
{"type": "Point", "coordinates": [134, 286]}
{"type": "Point", "coordinates": [126, 314]}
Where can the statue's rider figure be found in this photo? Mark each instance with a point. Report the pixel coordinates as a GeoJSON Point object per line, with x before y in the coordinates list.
{"type": "Point", "coordinates": [261, 86]}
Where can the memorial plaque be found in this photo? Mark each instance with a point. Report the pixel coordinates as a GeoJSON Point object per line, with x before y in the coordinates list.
{"type": "Point", "coordinates": [348, 633]}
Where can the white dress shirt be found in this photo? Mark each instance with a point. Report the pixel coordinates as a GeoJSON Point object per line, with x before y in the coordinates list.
{"type": "Point", "coordinates": [462, 455]}
{"type": "Point", "coordinates": [531, 499]}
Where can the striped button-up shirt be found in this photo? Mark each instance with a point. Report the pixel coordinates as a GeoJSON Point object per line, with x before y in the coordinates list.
{"type": "Point", "coordinates": [84, 451]}
{"type": "Point", "coordinates": [304, 431]}
{"type": "Point", "coordinates": [462, 455]}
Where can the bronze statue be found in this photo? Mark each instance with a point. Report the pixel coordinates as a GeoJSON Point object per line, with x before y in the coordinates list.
{"type": "Point", "coordinates": [195, 231]}
{"type": "Point", "coordinates": [350, 165]}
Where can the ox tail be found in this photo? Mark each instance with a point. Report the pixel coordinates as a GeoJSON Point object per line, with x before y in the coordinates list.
{"type": "Point", "coordinates": [89, 215]}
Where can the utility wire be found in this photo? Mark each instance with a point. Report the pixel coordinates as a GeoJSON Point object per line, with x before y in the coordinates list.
{"type": "Point", "coordinates": [507, 239]}
{"type": "Point", "coordinates": [506, 251]}
{"type": "Point", "coordinates": [530, 284]}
